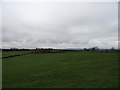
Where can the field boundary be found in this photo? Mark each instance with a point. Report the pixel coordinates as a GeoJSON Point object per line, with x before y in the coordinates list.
{"type": "Point", "coordinates": [25, 54]}
{"type": "Point", "coordinates": [15, 55]}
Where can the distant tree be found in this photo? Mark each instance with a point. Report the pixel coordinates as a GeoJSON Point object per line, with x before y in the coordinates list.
{"type": "Point", "coordinates": [106, 50]}
{"type": "Point", "coordinates": [95, 48]}
{"type": "Point", "coordinates": [113, 48]}
{"type": "Point", "coordinates": [85, 49]}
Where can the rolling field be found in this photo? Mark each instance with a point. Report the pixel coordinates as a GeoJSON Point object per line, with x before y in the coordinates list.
{"type": "Point", "coordinates": [61, 70]}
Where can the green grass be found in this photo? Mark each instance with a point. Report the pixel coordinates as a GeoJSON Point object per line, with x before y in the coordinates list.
{"type": "Point", "coordinates": [63, 70]}
{"type": "Point", "coordinates": [9, 53]}
{"type": "Point", "coordinates": [0, 54]}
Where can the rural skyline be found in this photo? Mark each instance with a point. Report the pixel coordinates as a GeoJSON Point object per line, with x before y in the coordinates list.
{"type": "Point", "coordinates": [60, 25]}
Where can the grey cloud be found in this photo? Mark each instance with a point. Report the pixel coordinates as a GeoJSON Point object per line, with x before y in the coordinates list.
{"type": "Point", "coordinates": [59, 25]}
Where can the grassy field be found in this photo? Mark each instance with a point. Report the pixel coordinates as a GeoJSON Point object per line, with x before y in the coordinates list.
{"type": "Point", "coordinates": [0, 54]}
{"type": "Point", "coordinates": [61, 70]}
{"type": "Point", "coordinates": [4, 54]}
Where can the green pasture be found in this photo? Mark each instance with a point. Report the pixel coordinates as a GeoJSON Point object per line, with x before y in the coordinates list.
{"type": "Point", "coordinates": [61, 70]}
{"type": "Point", "coordinates": [9, 53]}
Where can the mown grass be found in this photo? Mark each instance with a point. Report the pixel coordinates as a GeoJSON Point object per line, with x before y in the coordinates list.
{"type": "Point", "coordinates": [62, 70]}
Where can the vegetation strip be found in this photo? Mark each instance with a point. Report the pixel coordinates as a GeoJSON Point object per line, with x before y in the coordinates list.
{"type": "Point", "coordinates": [15, 55]}
{"type": "Point", "coordinates": [25, 54]}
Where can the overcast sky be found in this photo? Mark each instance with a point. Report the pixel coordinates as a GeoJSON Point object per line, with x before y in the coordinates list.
{"type": "Point", "coordinates": [60, 24]}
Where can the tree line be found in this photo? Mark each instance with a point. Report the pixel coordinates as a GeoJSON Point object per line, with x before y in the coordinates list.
{"type": "Point", "coordinates": [45, 50]}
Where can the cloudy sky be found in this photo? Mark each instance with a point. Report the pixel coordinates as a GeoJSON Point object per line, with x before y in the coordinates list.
{"type": "Point", "coordinates": [59, 24]}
